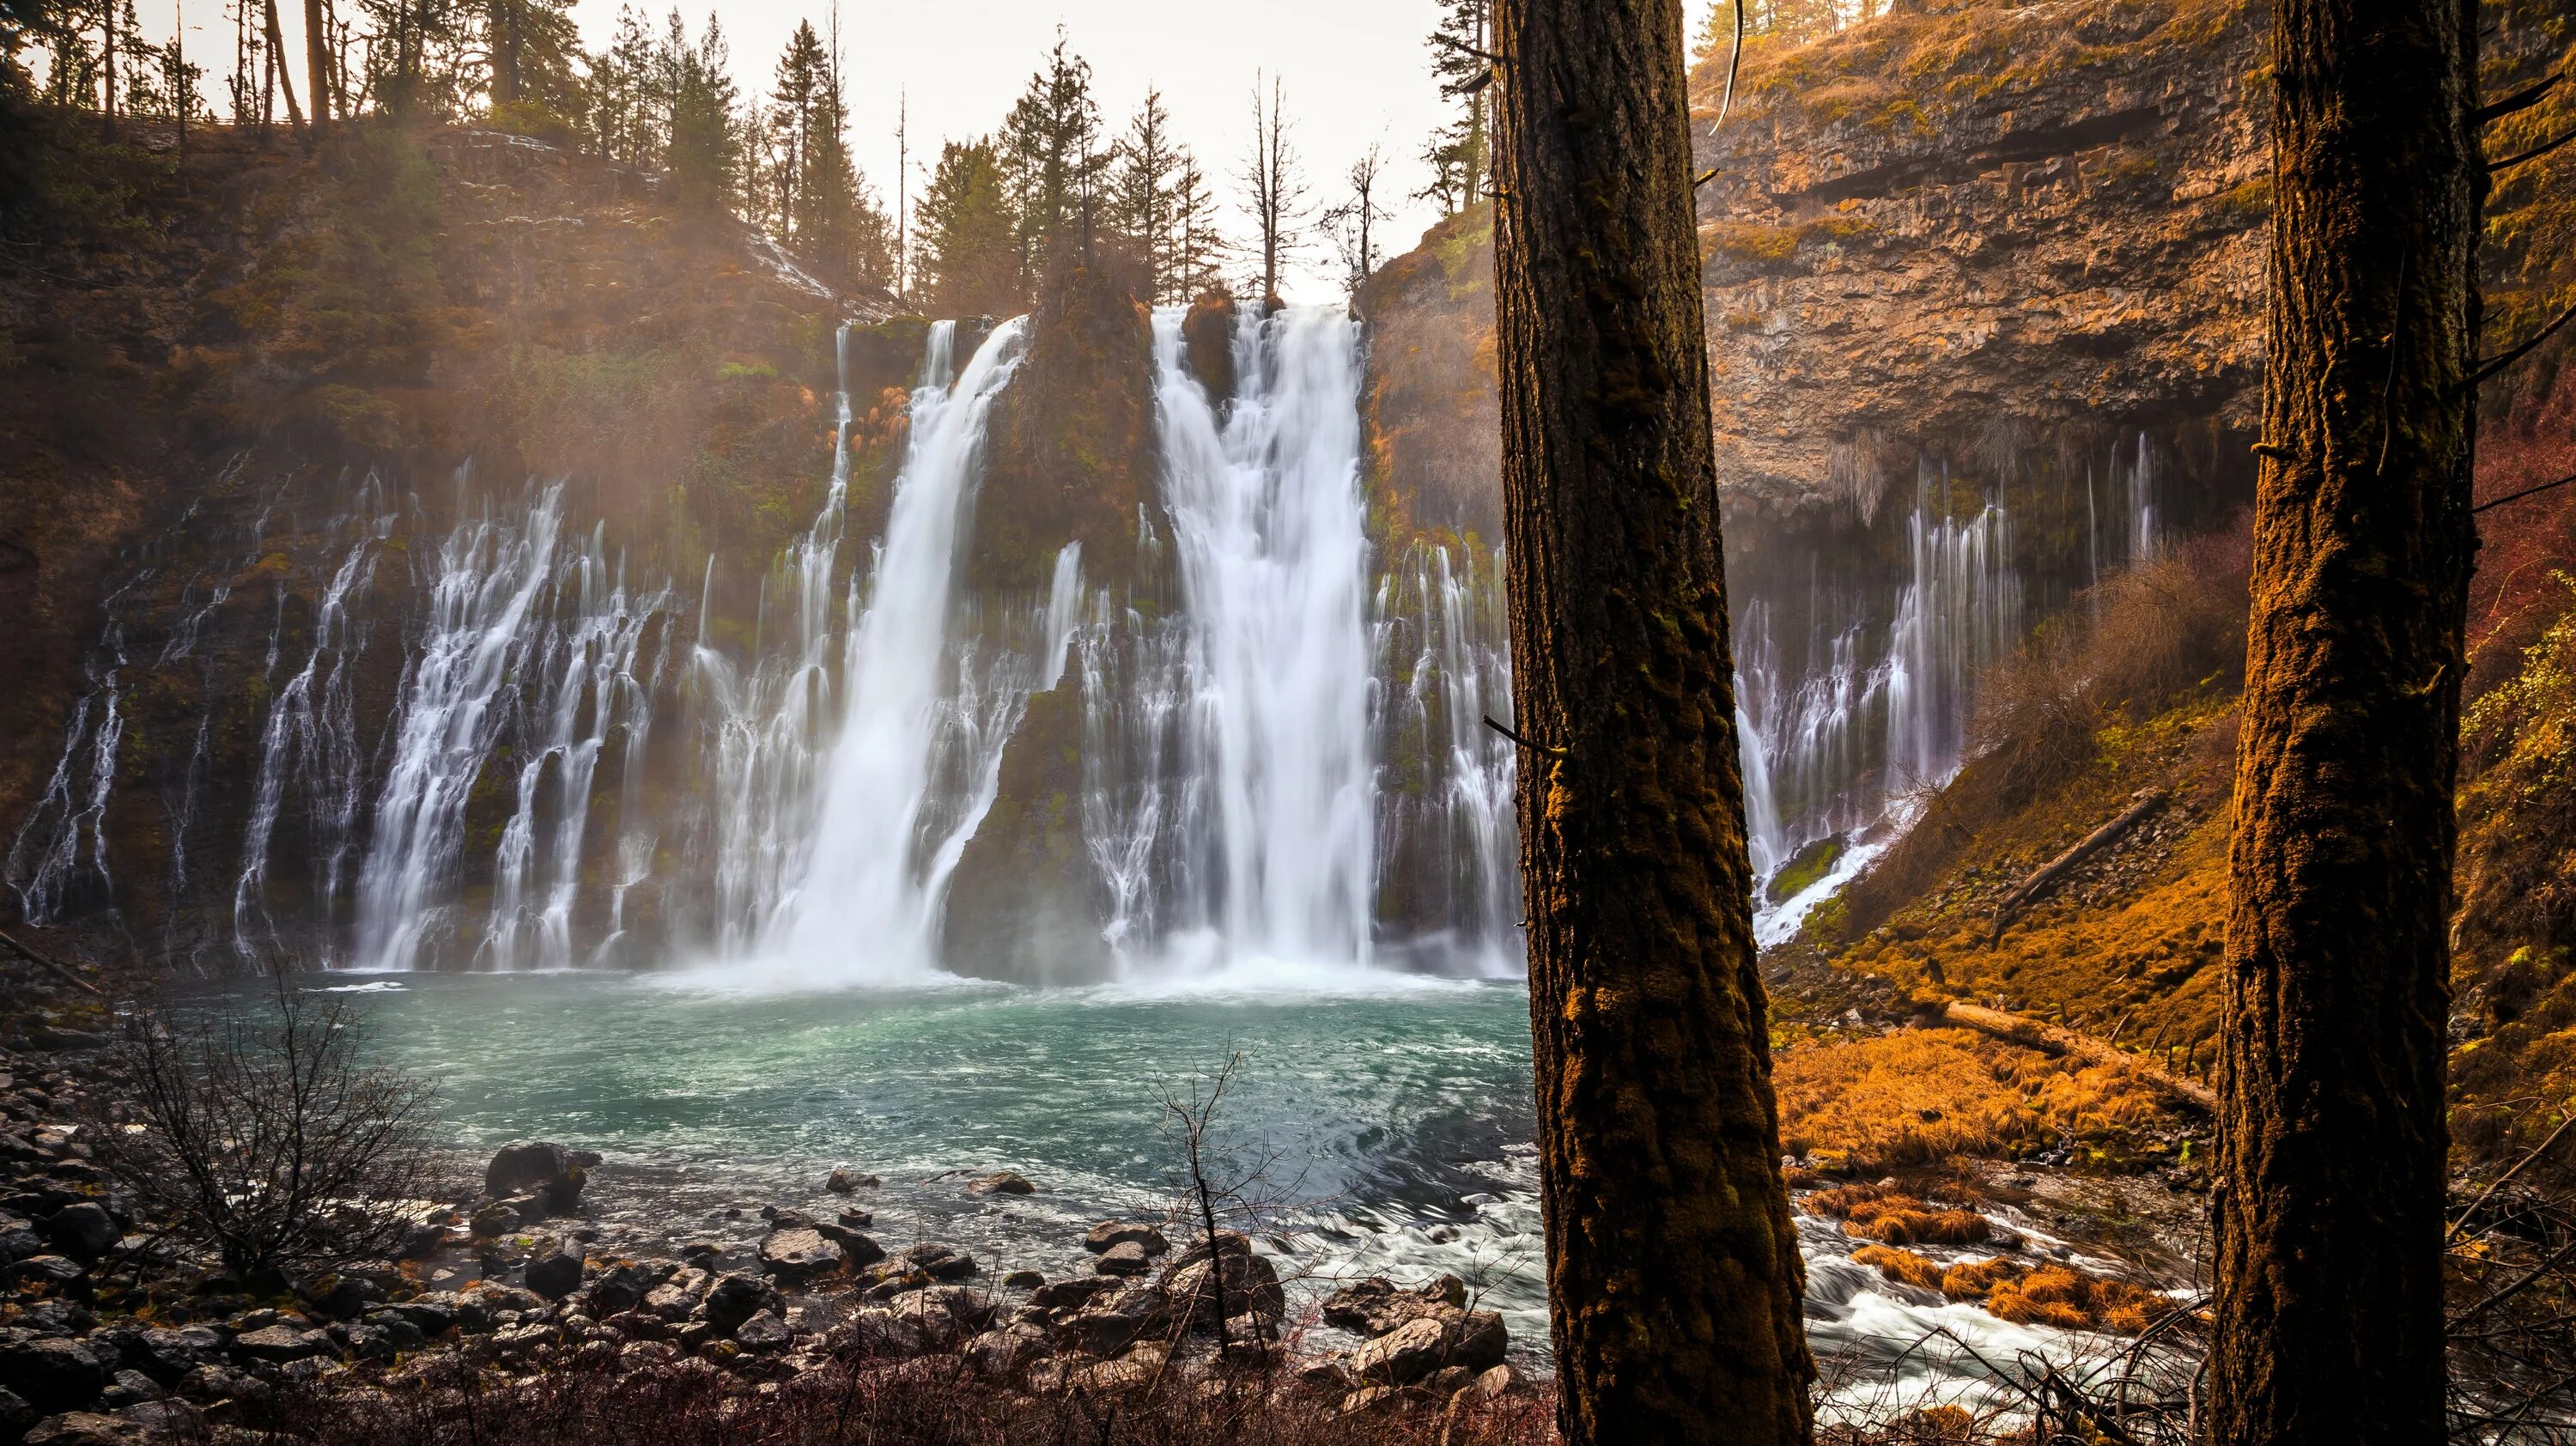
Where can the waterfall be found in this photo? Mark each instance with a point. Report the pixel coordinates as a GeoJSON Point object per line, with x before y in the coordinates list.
{"type": "Point", "coordinates": [1841, 728]}
{"type": "Point", "coordinates": [1449, 842]}
{"type": "Point", "coordinates": [525, 668]}
{"type": "Point", "coordinates": [309, 738]}
{"type": "Point", "coordinates": [1267, 524]}
{"type": "Point", "coordinates": [912, 762]}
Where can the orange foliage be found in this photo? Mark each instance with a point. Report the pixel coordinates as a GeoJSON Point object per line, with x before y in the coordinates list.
{"type": "Point", "coordinates": [1901, 1265]}
{"type": "Point", "coordinates": [1920, 1095]}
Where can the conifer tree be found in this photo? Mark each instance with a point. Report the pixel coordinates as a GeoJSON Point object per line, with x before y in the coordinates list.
{"type": "Point", "coordinates": [1141, 196]}
{"type": "Point", "coordinates": [2327, 1213]}
{"type": "Point", "coordinates": [1050, 149]}
{"type": "Point", "coordinates": [1200, 252]}
{"type": "Point", "coordinates": [968, 235]}
{"type": "Point", "coordinates": [1674, 1281]}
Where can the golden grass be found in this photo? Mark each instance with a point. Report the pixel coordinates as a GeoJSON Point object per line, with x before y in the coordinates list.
{"type": "Point", "coordinates": [1919, 1096]}
{"type": "Point", "coordinates": [2050, 1295]}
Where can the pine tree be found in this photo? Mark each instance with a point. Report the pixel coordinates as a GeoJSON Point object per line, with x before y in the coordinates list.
{"type": "Point", "coordinates": [1200, 253]}
{"type": "Point", "coordinates": [701, 148]}
{"type": "Point", "coordinates": [967, 235]}
{"type": "Point", "coordinates": [1460, 153]}
{"type": "Point", "coordinates": [1141, 197]}
{"type": "Point", "coordinates": [2327, 1216]}
{"type": "Point", "coordinates": [803, 71]}
{"type": "Point", "coordinates": [1050, 150]}
{"type": "Point", "coordinates": [1673, 1272]}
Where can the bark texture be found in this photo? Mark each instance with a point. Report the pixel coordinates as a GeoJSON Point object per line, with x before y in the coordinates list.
{"type": "Point", "coordinates": [2329, 1218]}
{"type": "Point", "coordinates": [1673, 1270]}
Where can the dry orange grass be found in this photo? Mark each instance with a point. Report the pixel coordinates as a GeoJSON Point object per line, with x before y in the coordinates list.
{"type": "Point", "coordinates": [1871, 1212]}
{"type": "Point", "coordinates": [1919, 1096]}
{"type": "Point", "coordinates": [2050, 1295]}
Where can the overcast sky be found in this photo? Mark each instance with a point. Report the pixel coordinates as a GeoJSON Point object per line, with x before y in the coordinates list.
{"type": "Point", "coordinates": [1355, 72]}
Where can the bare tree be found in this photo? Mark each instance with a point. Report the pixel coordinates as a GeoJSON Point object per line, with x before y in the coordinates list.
{"type": "Point", "coordinates": [1351, 223]}
{"type": "Point", "coordinates": [1278, 191]}
{"type": "Point", "coordinates": [270, 1141]}
{"type": "Point", "coordinates": [1225, 1187]}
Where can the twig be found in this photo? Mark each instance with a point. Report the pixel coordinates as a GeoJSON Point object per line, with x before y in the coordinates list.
{"type": "Point", "coordinates": [2520, 100]}
{"type": "Point", "coordinates": [2535, 153]}
{"type": "Point", "coordinates": [2506, 1178]}
{"type": "Point", "coordinates": [1464, 48]}
{"type": "Point", "coordinates": [2038, 884]}
{"type": "Point", "coordinates": [1525, 743]}
{"type": "Point", "coordinates": [2525, 492]}
{"type": "Point", "coordinates": [2489, 369]}
{"type": "Point", "coordinates": [60, 970]}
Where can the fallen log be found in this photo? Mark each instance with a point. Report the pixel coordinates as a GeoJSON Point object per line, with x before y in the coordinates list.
{"type": "Point", "coordinates": [2049, 1039]}
{"type": "Point", "coordinates": [2038, 884]}
{"type": "Point", "coordinates": [59, 969]}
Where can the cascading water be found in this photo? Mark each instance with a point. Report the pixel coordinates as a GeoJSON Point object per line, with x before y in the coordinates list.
{"type": "Point", "coordinates": [309, 741]}
{"type": "Point", "coordinates": [527, 665]}
{"type": "Point", "coordinates": [850, 889]}
{"type": "Point", "coordinates": [1839, 735]}
{"type": "Point", "coordinates": [1448, 837]}
{"type": "Point", "coordinates": [1267, 681]}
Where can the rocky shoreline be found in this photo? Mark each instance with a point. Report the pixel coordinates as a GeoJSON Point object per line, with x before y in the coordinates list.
{"type": "Point", "coordinates": [111, 1334]}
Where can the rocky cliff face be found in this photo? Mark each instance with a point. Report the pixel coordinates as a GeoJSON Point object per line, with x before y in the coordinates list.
{"type": "Point", "coordinates": [1972, 230]}
{"type": "Point", "coordinates": [237, 415]}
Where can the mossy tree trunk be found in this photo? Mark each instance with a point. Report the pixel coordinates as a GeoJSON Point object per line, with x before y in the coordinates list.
{"type": "Point", "coordinates": [1673, 1269]}
{"type": "Point", "coordinates": [2329, 1212]}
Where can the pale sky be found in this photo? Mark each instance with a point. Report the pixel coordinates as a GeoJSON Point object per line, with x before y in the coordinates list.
{"type": "Point", "coordinates": [1355, 71]}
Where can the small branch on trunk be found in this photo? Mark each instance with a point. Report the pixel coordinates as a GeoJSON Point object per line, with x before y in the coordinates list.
{"type": "Point", "coordinates": [2525, 492]}
{"type": "Point", "coordinates": [2487, 370]}
{"type": "Point", "coordinates": [2521, 100]}
{"type": "Point", "coordinates": [2535, 153]}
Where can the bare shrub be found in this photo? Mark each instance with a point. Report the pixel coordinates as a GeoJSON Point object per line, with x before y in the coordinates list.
{"type": "Point", "coordinates": [269, 1141]}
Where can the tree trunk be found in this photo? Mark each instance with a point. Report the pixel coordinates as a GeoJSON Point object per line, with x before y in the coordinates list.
{"type": "Point", "coordinates": [2329, 1212]}
{"type": "Point", "coordinates": [1673, 1270]}
{"type": "Point", "coordinates": [317, 62]}
{"type": "Point", "coordinates": [280, 73]}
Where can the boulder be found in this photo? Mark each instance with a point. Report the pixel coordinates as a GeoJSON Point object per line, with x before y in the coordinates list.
{"type": "Point", "coordinates": [1110, 1234]}
{"type": "Point", "coordinates": [54, 1373]}
{"type": "Point", "coordinates": [1023, 1280]}
{"type": "Point", "coordinates": [1119, 1319]}
{"type": "Point", "coordinates": [1207, 337]}
{"type": "Point", "coordinates": [1249, 1284]}
{"type": "Point", "coordinates": [1007, 1353]}
{"type": "Point", "coordinates": [1000, 1182]}
{"type": "Point", "coordinates": [735, 1299]}
{"type": "Point", "coordinates": [434, 1312]}
{"type": "Point", "coordinates": [278, 1344]}
{"type": "Point", "coordinates": [507, 1215]}
{"type": "Point", "coordinates": [1475, 1340]}
{"type": "Point", "coordinates": [340, 1295]}
{"type": "Point", "coordinates": [1073, 1292]}
{"type": "Point", "coordinates": [15, 1415]}
{"type": "Point", "coordinates": [167, 1356]}
{"type": "Point", "coordinates": [84, 1428]}
{"type": "Point", "coordinates": [397, 1328]}
{"type": "Point", "coordinates": [85, 1231]}
{"type": "Point", "coordinates": [555, 1274]}
{"type": "Point", "coordinates": [843, 1182]}
{"type": "Point", "coordinates": [1125, 1258]}
{"type": "Point", "coordinates": [939, 1262]}
{"type": "Point", "coordinates": [167, 1419]}
{"type": "Point", "coordinates": [881, 1333]}
{"type": "Point", "coordinates": [551, 1172]}
{"type": "Point", "coordinates": [1374, 1306]}
{"type": "Point", "coordinates": [623, 1287]}
{"type": "Point", "coordinates": [945, 1314]}
{"type": "Point", "coordinates": [798, 1255]}
{"type": "Point", "coordinates": [58, 1274]}
{"type": "Point", "coordinates": [767, 1331]}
